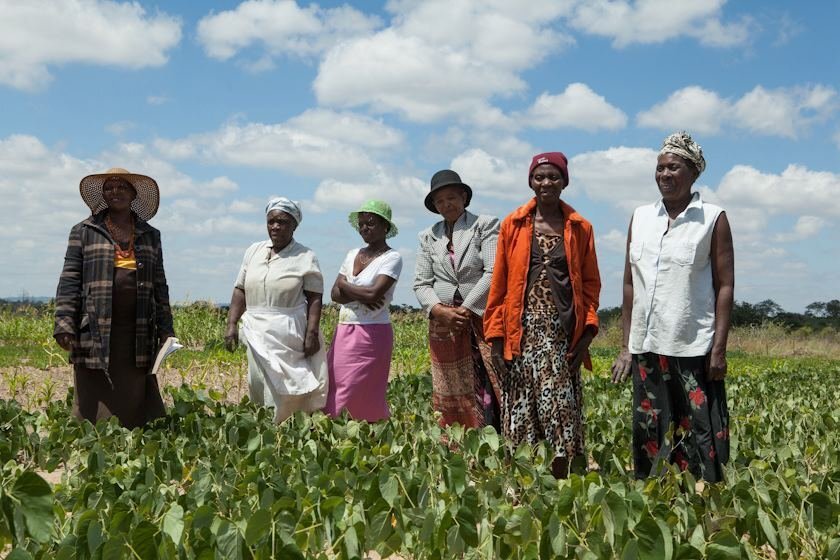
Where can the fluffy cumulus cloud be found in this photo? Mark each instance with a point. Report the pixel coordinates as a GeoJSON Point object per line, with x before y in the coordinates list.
{"type": "Point", "coordinates": [499, 177]}
{"type": "Point", "coordinates": [577, 107]}
{"type": "Point", "coordinates": [629, 22]}
{"type": "Point", "coordinates": [805, 227]}
{"type": "Point", "coordinates": [785, 112]}
{"type": "Point", "coordinates": [39, 189]}
{"type": "Point", "coordinates": [426, 67]}
{"type": "Point", "coordinates": [279, 27]}
{"type": "Point", "coordinates": [297, 145]}
{"type": "Point", "coordinates": [79, 31]}
{"type": "Point", "coordinates": [796, 191]}
{"type": "Point", "coordinates": [620, 176]}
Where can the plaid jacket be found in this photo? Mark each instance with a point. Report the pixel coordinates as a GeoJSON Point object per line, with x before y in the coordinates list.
{"type": "Point", "coordinates": [435, 279]}
{"type": "Point", "coordinates": [83, 298]}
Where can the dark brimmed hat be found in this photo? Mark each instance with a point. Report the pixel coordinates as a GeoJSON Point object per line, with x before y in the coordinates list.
{"type": "Point", "coordinates": [145, 204]}
{"type": "Point", "coordinates": [446, 178]}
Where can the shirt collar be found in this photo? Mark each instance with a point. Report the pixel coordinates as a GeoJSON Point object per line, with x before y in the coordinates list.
{"type": "Point", "coordinates": [696, 202]}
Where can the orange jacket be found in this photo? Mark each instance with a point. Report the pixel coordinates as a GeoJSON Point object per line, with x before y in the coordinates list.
{"type": "Point", "coordinates": [506, 302]}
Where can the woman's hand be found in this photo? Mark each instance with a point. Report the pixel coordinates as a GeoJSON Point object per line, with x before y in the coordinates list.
{"type": "Point", "coordinates": [377, 304]}
{"type": "Point", "coordinates": [497, 356]}
{"type": "Point", "coordinates": [575, 357]}
{"type": "Point", "coordinates": [66, 341]}
{"type": "Point", "coordinates": [311, 343]}
{"type": "Point", "coordinates": [621, 366]}
{"type": "Point", "coordinates": [456, 319]}
{"type": "Point", "coordinates": [716, 365]}
{"type": "Point", "coordinates": [231, 337]}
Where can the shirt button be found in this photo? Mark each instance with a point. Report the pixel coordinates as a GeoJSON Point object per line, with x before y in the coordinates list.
{"type": "Point", "coordinates": [139, 284]}
{"type": "Point", "coordinates": [139, 265]}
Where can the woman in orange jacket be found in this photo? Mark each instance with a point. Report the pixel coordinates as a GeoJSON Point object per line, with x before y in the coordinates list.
{"type": "Point", "coordinates": [541, 315]}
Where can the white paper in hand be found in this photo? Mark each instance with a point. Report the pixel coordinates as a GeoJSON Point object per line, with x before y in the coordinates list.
{"type": "Point", "coordinates": [170, 345]}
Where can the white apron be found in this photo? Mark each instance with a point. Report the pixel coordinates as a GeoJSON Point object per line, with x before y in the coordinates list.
{"type": "Point", "coordinates": [279, 375]}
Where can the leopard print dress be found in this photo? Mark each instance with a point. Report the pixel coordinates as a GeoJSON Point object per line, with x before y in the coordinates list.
{"type": "Point", "coordinates": [541, 398]}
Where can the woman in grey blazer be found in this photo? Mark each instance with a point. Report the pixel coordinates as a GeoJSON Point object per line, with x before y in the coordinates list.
{"type": "Point", "coordinates": [451, 282]}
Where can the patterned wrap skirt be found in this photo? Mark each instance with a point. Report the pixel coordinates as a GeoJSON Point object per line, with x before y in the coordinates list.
{"type": "Point", "coordinates": [678, 416]}
{"type": "Point", "coordinates": [542, 400]}
{"type": "Point", "coordinates": [465, 388]}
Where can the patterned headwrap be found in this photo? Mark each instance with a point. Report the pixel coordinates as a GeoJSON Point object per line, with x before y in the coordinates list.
{"type": "Point", "coordinates": [290, 207]}
{"type": "Point", "coordinates": [681, 144]}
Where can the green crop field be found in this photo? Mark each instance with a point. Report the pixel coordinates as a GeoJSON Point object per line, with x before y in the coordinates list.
{"type": "Point", "coordinates": [216, 479]}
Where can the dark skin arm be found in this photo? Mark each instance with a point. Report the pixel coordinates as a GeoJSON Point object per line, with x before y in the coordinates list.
{"type": "Point", "coordinates": [312, 340]}
{"type": "Point", "coordinates": [371, 296]}
{"type": "Point", "coordinates": [723, 280]}
{"type": "Point", "coordinates": [621, 366]}
{"type": "Point", "coordinates": [237, 308]}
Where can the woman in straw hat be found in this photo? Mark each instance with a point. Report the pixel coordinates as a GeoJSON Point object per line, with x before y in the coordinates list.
{"type": "Point", "coordinates": [359, 358]}
{"type": "Point", "coordinates": [542, 315]}
{"type": "Point", "coordinates": [451, 281]}
{"type": "Point", "coordinates": [679, 276]}
{"type": "Point", "coordinates": [112, 304]}
{"type": "Point", "coordinates": [278, 297]}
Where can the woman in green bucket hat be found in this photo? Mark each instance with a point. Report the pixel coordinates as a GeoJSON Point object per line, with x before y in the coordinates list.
{"type": "Point", "coordinates": [359, 358]}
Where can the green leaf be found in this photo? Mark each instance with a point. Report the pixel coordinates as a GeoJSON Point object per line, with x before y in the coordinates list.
{"type": "Point", "coordinates": [653, 539]}
{"type": "Point", "coordinates": [558, 535]}
{"type": "Point", "coordinates": [724, 546]}
{"type": "Point", "coordinates": [821, 513]}
{"type": "Point", "coordinates": [467, 526]}
{"type": "Point", "coordinates": [173, 523]}
{"type": "Point", "coordinates": [19, 554]}
{"type": "Point", "coordinates": [258, 527]}
{"type": "Point", "coordinates": [35, 502]}
{"type": "Point", "coordinates": [115, 549]}
{"type": "Point", "coordinates": [565, 501]}
{"type": "Point", "coordinates": [389, 488]}
{"type": "Point", "coordinates": [456, 474]}
{"type": "Point", "coordinates": [768, 528]}
{"type": "Point", "coordinates": [351, 543]}
{"type": "Point", "coordinates": [143, 540]}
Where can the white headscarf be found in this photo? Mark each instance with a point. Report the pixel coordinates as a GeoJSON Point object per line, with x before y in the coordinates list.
{"type": "Point", "coordinates": [286, 205]}
{"type": "Point", "coordinates": [681, 144]}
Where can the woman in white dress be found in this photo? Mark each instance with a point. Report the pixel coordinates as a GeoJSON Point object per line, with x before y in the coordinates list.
{"type": "Point", "coordinates": [278, 297]}
{"type": "Point", "coordinates": [360, 355]}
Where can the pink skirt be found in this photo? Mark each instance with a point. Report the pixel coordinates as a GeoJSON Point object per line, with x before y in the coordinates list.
{"type": "Point", "coordinates": [359, 361]}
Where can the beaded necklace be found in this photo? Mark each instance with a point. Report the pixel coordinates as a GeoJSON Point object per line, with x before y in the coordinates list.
{"type": "Point", "coordinates": [119, 237]}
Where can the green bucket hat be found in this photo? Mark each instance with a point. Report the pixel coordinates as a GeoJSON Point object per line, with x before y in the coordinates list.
{"type": "Point", "coordinates": [377, 207]}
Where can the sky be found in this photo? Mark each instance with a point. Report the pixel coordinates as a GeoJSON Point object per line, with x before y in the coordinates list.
{"type": "Point", "coordinates": [229, 103]}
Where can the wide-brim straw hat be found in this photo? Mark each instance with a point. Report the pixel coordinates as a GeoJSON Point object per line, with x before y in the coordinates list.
{"type": "Point", "coordinates": [378, 207]}
{"type": "Point", "coordinates": [145, 204]}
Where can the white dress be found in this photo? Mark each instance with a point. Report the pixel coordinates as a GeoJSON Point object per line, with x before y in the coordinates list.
{"type": "Point", "coordinates": [274, 325]}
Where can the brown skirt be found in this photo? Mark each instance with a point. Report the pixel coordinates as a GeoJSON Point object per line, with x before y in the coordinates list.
{"type": "Point", "coordinates": [135, 397]}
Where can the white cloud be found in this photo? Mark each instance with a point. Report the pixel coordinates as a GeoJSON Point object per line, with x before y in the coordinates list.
{"type": "Point", "coordinates": [656, 21]}
{"type": "Point", "coordinates": [498, 178]}
{"type": "Point", "coordinates": [157, 99]}
{"type": "Point", "coordinates": [39, 189]}
{"type": "Point", "coordinates": [317, 143]}
{"type": "Point", "coordinates": [614, 241]}
{"type": "Point", "coordinates": [41, 33]}
{"type": "Point", "coordinates": [427, 66]}
{"type": "Point", "coordinates": [692, 108]}
{"type": "Point", "coordinates": [400, 191]}
{"type": "Point", "coordinates": [577, 107]}
{"type": "Point", "coordinates": [621, 176]}
{"type": "Point", "coordinates": [805, 227]}
{"type": "Point", "coordinates": [786, 112]}
{"type": "Point", "coordinates": [279, 27]}
{"type": "Point", "coordinates": [797, 191]}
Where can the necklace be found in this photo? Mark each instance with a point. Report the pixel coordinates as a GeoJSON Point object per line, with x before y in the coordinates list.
{"type": "Point", "coordinates": [119, 236]}
{"type": "Point", "coordinates": [366, 260]}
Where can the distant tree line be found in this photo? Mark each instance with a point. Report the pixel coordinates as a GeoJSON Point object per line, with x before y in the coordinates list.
{"type": "Point", "coordinates": [817, 315]}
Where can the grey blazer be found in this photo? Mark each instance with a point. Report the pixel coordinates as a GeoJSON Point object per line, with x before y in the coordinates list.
{"type": "Point", "coordinates": [435, 279]}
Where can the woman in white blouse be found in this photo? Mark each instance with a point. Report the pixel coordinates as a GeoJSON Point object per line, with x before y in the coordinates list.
{"type": "Point", "coordinates": [359, 358]}
{"type": "Point", "coordinates": [278, 297]}
{"type": "Point", "coordinates": [678, 291]}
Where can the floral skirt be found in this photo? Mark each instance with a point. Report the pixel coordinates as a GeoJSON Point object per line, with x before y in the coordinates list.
{"type": "Point", "coordinates": [542, 400]}
{"type": "Point", "coordinates": [678, 416]}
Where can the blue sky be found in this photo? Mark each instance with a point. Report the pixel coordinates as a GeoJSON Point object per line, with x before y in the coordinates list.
{"type": "Point", "coordinates": [229, 103]}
